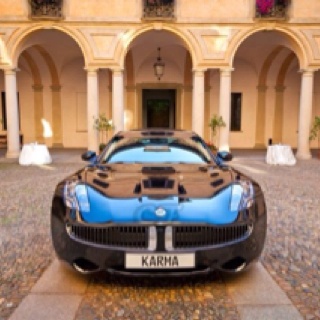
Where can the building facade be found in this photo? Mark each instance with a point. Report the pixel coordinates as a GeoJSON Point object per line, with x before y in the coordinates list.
{"type": "Point", "coordinates": [254, 62]}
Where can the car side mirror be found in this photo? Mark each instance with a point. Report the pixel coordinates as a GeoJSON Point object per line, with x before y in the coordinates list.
{"type": "Point", "coordinates": [224, 155]}
{"type": "Point", "coordinates": [89, 156]}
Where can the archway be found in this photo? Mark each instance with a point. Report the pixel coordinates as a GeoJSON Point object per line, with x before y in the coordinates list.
{"type": "Point", "coordinates": [51, 82]}
{"type": "Point", "coordinates": [143, 85]}
{"type": "Point", "coordinates": [270, 63]}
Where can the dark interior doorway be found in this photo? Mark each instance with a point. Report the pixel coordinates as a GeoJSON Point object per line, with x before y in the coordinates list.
{"type": "Point", "coordinates": [158, 108]}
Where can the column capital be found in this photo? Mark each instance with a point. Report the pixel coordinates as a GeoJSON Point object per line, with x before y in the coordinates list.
{"type": "Point", "coordinates": [37, 87]}
{"type": "Point", "coordinates": [198, 72]}
{"type": "Point", "coordinates": [308, 72]}
{"type": "Point", "coordinates": [279, 88]}
{"type": "Point", "coordinates": [117, 71]}
{"type": "Point", "coordinates": [226, 71]}
{"type": "Point", "coordinates": [262, 88]}
{"type": "Point", "coordinates": [91, 70]}
{"type": "Point", "coordinates": [55, 88]}
{"type": "Point", "coordinates": [11, 71]}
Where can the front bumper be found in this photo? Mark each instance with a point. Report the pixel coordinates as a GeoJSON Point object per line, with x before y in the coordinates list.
{"type": "Point", "coordinates": [91, 256]}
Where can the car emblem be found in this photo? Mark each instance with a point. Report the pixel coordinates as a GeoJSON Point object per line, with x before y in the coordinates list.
{"type": "Point", "coordinates": [160, 212]}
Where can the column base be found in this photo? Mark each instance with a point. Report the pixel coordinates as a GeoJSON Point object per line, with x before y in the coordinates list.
{"type": "Point", "coordinates": [303, 155]}
{"type": "Point", "coordinates": [259, 146]}
{"type": "Point", "coordinates": [57, 145]}
{"type": "Point", "coordinates": [12, 154]}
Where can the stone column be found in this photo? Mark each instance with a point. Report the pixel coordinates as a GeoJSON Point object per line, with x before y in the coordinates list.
{"type": "Point", "coordinates": [13, 143]}
{"type": "Point", "coordinates": [117, 100]}
{"type": "Point", "coordinates": [278, 115]}
{"type": "Point", "coordinates": [56, 116]}
{"type": "Point", "coordinates": [38, 112]}
{"type": "Point", "coordinates": [305, 114]}
{"type": "Point", "coordinates": [198, 102]}
{"type": "Point", "coordinates": [261, 117]}
{"type": "Point", "coordinates": [224, 107]}
{"type": "Point", "coordinates": [92, 108]}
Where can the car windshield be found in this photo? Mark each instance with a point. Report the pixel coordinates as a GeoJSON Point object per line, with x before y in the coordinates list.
{"type": "Point", "coordinates": [156, 150]}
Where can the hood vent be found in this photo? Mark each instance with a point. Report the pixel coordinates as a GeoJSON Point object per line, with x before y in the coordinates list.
{"type": "Point", "coordinates": [158, 170]}
{"type": "Point", "coordinates": [137, 188]}
{"type": "Point", "coordinates": [158, 183]}
{"type": "Point", "coordinates": [102, 175]}
{"type": "Point", "coordinates": [217, 183]}
{"type": "Point", "coordinates": [182, 189]}
{"type": "Point", "coordinates": [100, 183]}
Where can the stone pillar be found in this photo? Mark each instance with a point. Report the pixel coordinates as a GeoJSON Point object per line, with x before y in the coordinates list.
{"type": "Point", "coordinates": [38, 112]}
{"type": "Point", "coordinates": [261, 117]}
{"type": "Point", "coordinates": [56, 116]}
{"type": "Point", "coordinates": [117, 100]}
{"type": "Point", "coordinates": [278, 115]}
{"type": "Point", "coordinates": [198, 102]}
{"type": "Point", "coordinates": [305, 114]}
{"type": "Point", "coordinates": [92, 108]}
{"type": "Point", "coordinates": [224, 108]}
{"type": "Point", "coordinates": [13, 143]}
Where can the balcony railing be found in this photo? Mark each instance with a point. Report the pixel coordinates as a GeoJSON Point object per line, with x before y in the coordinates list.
{"type": "Point", "coordinates": [158, 9]}
{"type": "Point", "coordinates": [46, 9]}
{"type": "Point", "coordinates": [272, 9]}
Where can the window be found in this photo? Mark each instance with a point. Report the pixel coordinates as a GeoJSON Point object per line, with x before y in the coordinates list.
{"type": "Point", "coordinates": [158, 9]}
{"type": "Point", "coordinates": [4, 111]}
{"type": "Point", "coordinates": [51, 9]}
{"type": "Point", "coordinates": [235, 120]}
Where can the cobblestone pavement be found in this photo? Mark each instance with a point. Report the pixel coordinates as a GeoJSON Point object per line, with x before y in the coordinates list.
{"type": "Point", "coordinates": [125, 298]}
{"type": "Point", "coordinates": [292, 248]}
{"type": "Point", "coordinates": [291, 254]}
{"type": "Point", "coordinates": [25, 242]}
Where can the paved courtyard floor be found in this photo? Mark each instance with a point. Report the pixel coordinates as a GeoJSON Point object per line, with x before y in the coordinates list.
{"type": "Point", "coordinates": [285, 284]}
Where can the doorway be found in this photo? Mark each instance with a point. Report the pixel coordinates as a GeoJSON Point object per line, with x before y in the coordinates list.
{"type": "Point", "coordinates": [158, 108]}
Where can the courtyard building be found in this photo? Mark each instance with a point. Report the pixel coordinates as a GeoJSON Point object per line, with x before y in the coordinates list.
{"type": "Point", "coordinates": [159, 63]}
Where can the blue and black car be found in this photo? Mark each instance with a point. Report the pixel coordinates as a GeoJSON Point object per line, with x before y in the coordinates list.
{"type": "Point", "coordinates": [158, 202]}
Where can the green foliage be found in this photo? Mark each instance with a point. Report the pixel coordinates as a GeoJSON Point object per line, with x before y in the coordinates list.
{"type": "Point", "coordinates": [215, 123]}
{"type": "Point", "coordinates": [103, 125]}
{"type": "Point", "coordinates": [315, 129]}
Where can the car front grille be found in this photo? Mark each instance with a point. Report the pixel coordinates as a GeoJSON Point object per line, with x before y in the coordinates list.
{"type": "Point", "coordinates": [146, 237]}
{"type": "Point", "coordinates": [115, 236]}
{"type": "Point", "coordinates": [203, 236]}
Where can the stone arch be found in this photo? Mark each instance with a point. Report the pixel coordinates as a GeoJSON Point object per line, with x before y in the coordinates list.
{"type": "Point", "coordinates": [123, 47]}
{"type": "Point", "coordinates": [16, 43]}
{"type": "Point", "coordinates": [299, 45]}
{"type": "Point", "coordinates": [55, 95]}
{"type": "Point", "coordinates": [37, 94]}
{"type": "Point", "coordinates": [278, 123]}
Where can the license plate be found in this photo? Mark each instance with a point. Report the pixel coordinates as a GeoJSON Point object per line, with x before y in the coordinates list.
{"type": "Point", "coordinates": [159, 261]}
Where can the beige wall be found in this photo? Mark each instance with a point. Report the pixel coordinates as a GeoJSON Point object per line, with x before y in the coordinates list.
{"type": "Point", "coordinates": [13, 8]}
{"type": "Point", "coordinates": [101, 9]}
{"type": "Point", "coordinates": [209, 29]}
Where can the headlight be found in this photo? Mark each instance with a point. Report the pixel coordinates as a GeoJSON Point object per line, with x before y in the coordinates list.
{"type": "Point", "coordinates": [76, 196]}
{"type": "Point", "coordinates": [241, 196]}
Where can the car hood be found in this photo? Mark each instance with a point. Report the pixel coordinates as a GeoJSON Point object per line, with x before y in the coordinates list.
{"type": "Point", "coordinates": [134, 180]}
{"type": "Point", "coordinates": [136, 193]}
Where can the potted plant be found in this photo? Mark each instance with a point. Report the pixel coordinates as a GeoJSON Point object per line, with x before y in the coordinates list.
{"type": "Point", "coordinates": [103, 125]}
{"type": "Point", "coordinates": [216, 122]}
{"type": "Point", "coordinates": [315, 132]}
